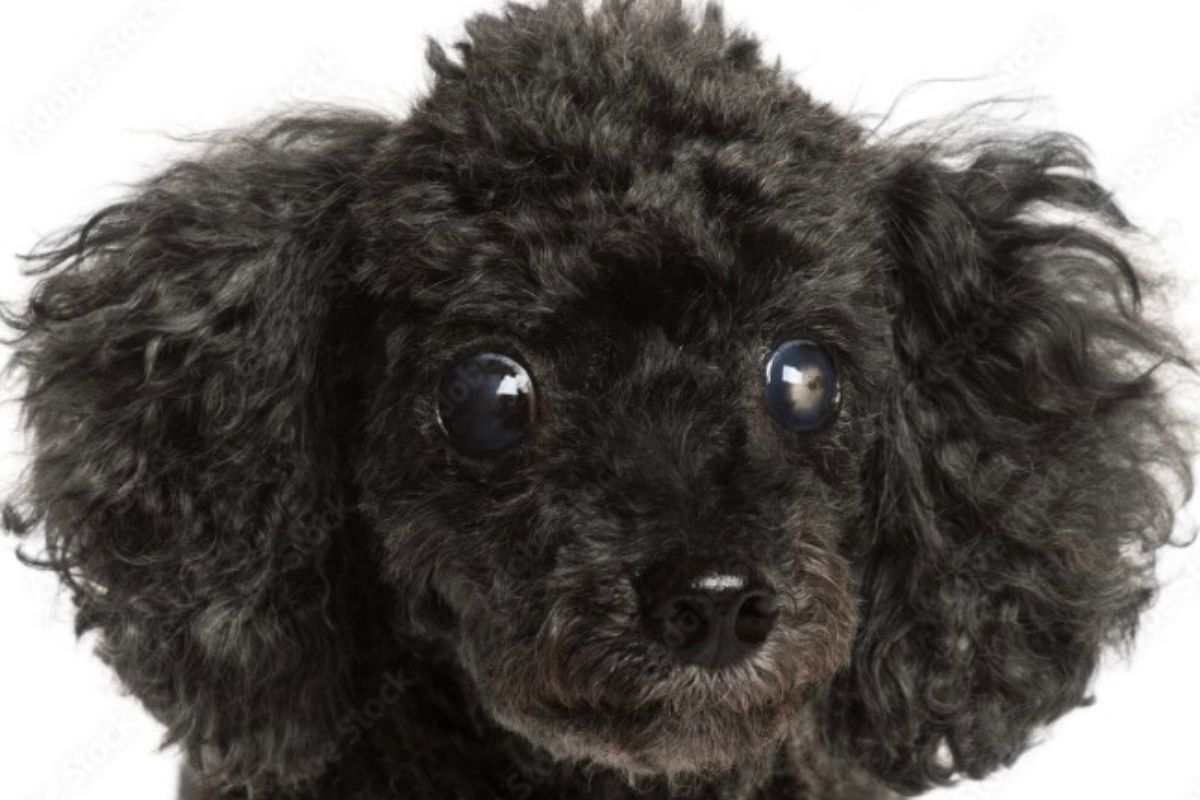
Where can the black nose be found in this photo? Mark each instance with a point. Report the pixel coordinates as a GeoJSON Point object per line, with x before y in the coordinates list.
{"type": "Point", "coordinates": [706, 612]}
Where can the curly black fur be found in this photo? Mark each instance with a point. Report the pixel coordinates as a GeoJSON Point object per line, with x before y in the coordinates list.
{"type": "Point", "coordinates": [231, 382]}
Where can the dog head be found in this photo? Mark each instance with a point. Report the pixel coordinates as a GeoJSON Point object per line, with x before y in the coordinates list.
{"type": "Point", "coordinates": [675, 404]}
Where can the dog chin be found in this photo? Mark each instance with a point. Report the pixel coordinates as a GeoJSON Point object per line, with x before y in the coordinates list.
{"type": "Point", "coordinates": [644, 744]}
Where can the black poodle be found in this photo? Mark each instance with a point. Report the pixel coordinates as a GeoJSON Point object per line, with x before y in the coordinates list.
{"type": "Point", "coordinates": [621, 423]}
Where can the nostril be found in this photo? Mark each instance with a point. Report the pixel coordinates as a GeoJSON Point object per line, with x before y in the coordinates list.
{"type": "Point", "coordinates": [684, 622]}
{"type": "Point", "coordinates": [755, 617]}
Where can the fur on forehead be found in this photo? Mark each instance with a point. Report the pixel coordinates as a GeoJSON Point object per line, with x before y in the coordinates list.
{"type": "Point", "coordinates": [637, 147]}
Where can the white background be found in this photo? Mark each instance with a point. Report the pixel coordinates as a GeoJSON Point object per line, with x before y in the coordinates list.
{"type": "Point", "coordinates": [90, 89]}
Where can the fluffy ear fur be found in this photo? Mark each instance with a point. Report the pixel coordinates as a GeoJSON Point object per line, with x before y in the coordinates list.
{"type": "Point", "coordinates": [189, 356]}
{"type": "Point", "coordinates": [1023, 476]}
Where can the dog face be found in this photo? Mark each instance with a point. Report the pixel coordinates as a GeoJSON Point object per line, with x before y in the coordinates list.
{"type": "Point", "coordinates": [620, 396]}
{"type": "Point", "coordinates": [679, 408]}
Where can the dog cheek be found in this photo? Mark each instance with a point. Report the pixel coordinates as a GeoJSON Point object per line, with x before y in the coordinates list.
{"type": "Point", "coordinates": [828, 619]}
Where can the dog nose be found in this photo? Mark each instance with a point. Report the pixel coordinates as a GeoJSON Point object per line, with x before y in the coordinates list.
{"type": "Point", "coordinates": [706, 613]}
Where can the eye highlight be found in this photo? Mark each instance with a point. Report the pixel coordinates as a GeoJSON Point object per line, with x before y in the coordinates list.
{"type": "Point", "coordinates": [801, 387]}
{"type": "Point", "coordinates": [486, 403]}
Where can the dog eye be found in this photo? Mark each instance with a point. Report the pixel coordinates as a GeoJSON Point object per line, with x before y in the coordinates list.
{"type": "Point", "coordinates": [486, 403]}
{"type": "Point", "coordinates": [802, 391]}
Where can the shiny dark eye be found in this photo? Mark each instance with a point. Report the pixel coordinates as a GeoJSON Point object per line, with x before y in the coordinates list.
{"type": "Point", "coordinates": [801, 389]}
{"type": "Point", "coordinates": [486, 403]}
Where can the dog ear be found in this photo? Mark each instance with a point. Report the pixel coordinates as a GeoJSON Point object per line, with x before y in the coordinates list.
{"type": "Point", "coordinates": [1025, 468]}
{"type": "Point", "coordinates": [188, 355]}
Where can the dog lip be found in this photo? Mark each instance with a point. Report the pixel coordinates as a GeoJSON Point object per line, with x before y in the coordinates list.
{"type": "Point", "coordinates": [633, 739]}
{"type": "Point", "coordinates": [647, 713]}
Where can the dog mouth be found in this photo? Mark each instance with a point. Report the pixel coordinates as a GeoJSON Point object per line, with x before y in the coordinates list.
{"type": "Point", "coordinates": [659, 738]}
{"type": "Point", "coordinates": [648, 716]}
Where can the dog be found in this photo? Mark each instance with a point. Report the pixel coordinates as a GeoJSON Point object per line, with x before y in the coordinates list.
{"type": "Point", "coordinates": [622, 422]}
